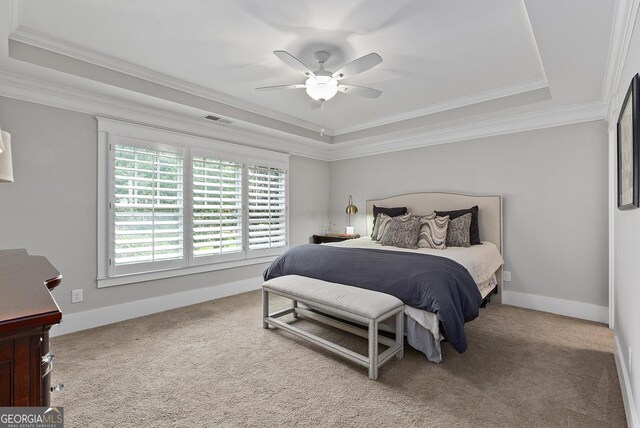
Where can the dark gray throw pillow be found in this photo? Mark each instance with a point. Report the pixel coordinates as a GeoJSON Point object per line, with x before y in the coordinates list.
{"type": "Point", "coordinates": [458, 232]}
{"type": "Point", "coordinates": [391, 212]}
{"type": "Point", "coordinates": [402, 233]}
{"type": "Point", "coordinates": [474, 231]}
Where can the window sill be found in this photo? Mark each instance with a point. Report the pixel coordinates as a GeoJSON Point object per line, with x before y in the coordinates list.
{"type": "Point", "coordinates": [171, 273]}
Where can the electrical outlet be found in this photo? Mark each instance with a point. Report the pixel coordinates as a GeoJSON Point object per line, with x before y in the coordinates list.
{"type": "Point", "coordinates": [76, 296]}
{"type": "Point", "coordinates": [630, 360]}
{"type": "Point", "coordinates": [506, 275]}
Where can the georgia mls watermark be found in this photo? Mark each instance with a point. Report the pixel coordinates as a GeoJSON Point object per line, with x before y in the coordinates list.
{"type": "Point", "coordinates": [31, 417]}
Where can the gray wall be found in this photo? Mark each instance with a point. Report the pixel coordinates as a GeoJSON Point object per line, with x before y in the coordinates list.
{"type": "Point", "coordinates": [308, 197]}
{"type": "Point", "coordinates": [626, 251]}
{"type": "Point", "coordinates": [554, 184]}
{"type": "Point", "coordinates": [50, 209]}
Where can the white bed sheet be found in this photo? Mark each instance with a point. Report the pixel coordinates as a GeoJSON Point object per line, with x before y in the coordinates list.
{"type": "Point", "coordinates": [482, 261]}
{"type": "Point", "coordinates": [423, 327]}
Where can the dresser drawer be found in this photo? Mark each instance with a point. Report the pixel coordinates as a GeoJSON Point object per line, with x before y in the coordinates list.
{"type": "Point", "coordinates": [21, 369]}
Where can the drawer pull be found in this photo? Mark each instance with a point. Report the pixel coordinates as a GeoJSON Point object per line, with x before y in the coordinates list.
{"type": "Point", "coordinates": [57, 387]}
{"type": "Point", "coordinates": [48, 360]}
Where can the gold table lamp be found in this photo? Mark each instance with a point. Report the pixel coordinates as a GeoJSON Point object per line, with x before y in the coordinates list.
{"type": "Point", "coordinates": [351, 209]}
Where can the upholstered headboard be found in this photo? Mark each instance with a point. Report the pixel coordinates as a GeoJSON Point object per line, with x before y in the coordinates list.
{"type": "Point", "coordinates": [489, 214]}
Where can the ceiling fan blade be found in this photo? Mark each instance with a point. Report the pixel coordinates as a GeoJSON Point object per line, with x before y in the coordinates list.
{"type": "Point", "coordinates": [362, 91]}
{"type": "Point", "coordinates": [358, 66]}
{"type": "Point", "coordinates": [294, 63]}
{"type": "Point", "coordinates": [272, 88]}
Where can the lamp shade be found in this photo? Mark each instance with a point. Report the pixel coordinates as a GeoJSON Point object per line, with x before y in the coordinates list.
{"type": "Point", "coordinates": [352, 209]}
{"type": "Point", "coordinates": [6, 168]}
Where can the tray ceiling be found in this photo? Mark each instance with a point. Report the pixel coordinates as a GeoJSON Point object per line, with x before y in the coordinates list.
{"type": "Point", "coordinates": [442, 61]}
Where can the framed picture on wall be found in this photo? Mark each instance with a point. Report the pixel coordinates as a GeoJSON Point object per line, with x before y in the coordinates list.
{"type": "Point", "coordinates": [629, 148]}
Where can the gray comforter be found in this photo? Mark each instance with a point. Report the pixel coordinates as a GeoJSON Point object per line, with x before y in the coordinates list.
{"type": "Point", "coordinates": [435, 284]}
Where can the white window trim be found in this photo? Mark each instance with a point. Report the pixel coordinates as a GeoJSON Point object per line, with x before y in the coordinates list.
{"type": "Point", "coordinates": [107, 129]}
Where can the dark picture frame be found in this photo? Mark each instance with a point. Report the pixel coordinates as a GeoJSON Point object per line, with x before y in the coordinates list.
{"type": "Point", "coordinates": [628, 129]}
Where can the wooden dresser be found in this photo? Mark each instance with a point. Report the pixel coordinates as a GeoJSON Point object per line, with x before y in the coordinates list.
{"type": "Point", "coordinates": [27, 312]}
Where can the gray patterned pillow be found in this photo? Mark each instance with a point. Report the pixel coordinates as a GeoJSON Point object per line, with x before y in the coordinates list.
{"type": "Point", "coordinates": [458, 234]}
{"type": "Point", "coordinates": [433, 232]}
{"type": "Point", "coordinates": [382, 221]}
{"type": "Point", "coordinates": [402, 233]}
{"type": "Point", "coordinates": [385, 220]}
{"type": "Point", "coordinates": [376, 226]}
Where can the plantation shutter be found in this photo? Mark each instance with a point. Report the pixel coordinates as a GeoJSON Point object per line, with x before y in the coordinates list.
{"type": "Point", "coordinates": [148, 202]}
{"type": "Point", "coordinates": [267, 207]}
{"type": "Point", "coordinates": [217, 207]}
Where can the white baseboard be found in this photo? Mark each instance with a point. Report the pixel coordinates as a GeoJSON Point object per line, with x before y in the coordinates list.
{"type": "Point", "coordinates": [111, 314]}
{"type": "Point", "coordinates": [567, 308]}
{"type": "Point", "coordinates": [625, 386]}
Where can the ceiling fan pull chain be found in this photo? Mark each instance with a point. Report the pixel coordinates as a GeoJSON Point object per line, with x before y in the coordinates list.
{"type": "Point", "coordinates": [321, 117]}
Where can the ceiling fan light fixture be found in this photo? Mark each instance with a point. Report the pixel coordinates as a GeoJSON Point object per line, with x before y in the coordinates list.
{"type": "Point", "coordinates": [322, 84]}
{"type": "Point", "coordinates": [321, 88]}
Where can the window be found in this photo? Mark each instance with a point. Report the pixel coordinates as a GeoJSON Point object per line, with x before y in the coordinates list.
{"type": "Point", "coordinates": [267, 207]}
{"type": "Point", "coordinates": [217, 208]}
{"type": "Point", "coordinates": [147, 206]}
{"type": "Point", "coordinates": [186, 208]}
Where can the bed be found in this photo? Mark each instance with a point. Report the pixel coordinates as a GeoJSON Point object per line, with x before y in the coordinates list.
{"type": "Point", "coordinates": [424, 329]}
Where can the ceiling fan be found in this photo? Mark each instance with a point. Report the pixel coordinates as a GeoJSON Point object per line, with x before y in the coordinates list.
{"type": "Point", "coordinates": [322, 85]}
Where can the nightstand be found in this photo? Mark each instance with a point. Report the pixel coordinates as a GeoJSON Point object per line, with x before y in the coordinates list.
{"type": "Point", "coordinates": [321, 239]}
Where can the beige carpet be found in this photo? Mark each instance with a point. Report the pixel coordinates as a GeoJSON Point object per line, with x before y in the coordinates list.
{"type": "Point", "coordinates": [213, 365]}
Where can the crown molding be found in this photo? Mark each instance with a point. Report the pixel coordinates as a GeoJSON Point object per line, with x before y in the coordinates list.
{"type": "Point", "coordinates": [43, 41]}
{"type": "Point", "coordinates": [54, 95]}
{"type": "Point", "coordinates": [547, 118]}
{"type": "Point", "coordinates": [493, 94]}
{"type": "Point", "coordinates": [39, 40]}
{"type": "Point", "coordinates": [623, 25]}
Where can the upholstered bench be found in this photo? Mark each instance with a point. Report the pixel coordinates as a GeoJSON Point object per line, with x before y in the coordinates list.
{"type": "Point", "coordinates": [354, 304]}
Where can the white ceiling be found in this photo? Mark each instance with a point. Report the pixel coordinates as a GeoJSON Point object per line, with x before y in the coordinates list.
{"type": "Point", "coordinates": [465, 58]}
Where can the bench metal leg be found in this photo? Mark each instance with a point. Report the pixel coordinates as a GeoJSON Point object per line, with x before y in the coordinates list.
{"type": "Point", "coordinates": [373, 350]}
{"type": "Point", "coordinates": [374, 360]}
{"type": "Point", "coordinates": [400, 333]}
{"type": "Point", "coordinates": [265, 308]}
